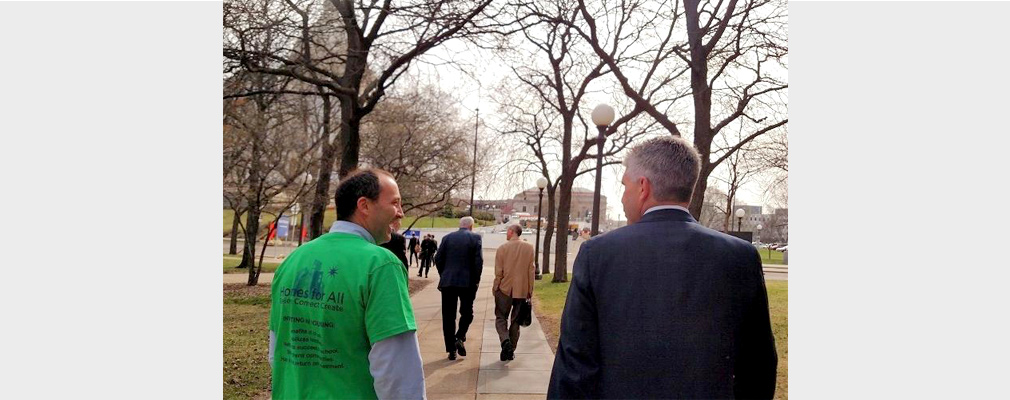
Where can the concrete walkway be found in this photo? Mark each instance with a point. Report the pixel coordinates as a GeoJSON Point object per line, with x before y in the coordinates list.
{"type": "Point", "coordinates": [480, 375]}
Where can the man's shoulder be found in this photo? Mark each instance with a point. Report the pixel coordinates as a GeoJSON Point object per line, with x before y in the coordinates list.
{"type": "Point", "coordinates": [516, 244]}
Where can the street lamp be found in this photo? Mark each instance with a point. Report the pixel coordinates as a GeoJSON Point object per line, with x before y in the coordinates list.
{"type": "Point", "coordinates": [602, 116]}
{"type": "Point", "coordinates": [739, 219]}
{"type": "Point", "coordinates": [473, 178]}
{"type": "Point", "coordinates": [541, 184]}
{"type": "Point", "coordinates": [759, 241]}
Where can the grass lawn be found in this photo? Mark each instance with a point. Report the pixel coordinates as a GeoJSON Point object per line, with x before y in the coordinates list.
{"type": "Point", "coordinates": [246, 315]}
{"type": "Point", "coordinates": [331, 215]}
{"type": "Point", "coordinates": [438, 222]}
{"type": "Point", "coordinates": [550, 302]}
{"type": "Point", "coordinates": [230, 262]}
{"type": "Point", "coordinates": [775, 256]}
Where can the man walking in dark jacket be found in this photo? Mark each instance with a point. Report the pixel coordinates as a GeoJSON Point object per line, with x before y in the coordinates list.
{"type": "Point", "coordinates": [412, 250]}
{"type": "Point", "coordinates": [459, 263]}
{"type": "Point", "coordinates": [428, 248]}
{"type": "Point", "coordinates": [665, 307]}
{"type": "Point", "coordinates": [396, 244]}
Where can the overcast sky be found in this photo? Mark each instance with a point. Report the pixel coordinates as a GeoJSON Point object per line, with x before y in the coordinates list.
{"type": "Point", "coordinates": [470, 75]}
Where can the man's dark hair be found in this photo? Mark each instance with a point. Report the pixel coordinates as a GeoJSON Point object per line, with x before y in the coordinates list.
{"type": "Point", "coordinates": [361, 183]}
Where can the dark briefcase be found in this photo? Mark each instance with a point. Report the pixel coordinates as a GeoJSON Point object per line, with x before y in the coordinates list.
{"type": "Point", "coordinates": [525, 313]}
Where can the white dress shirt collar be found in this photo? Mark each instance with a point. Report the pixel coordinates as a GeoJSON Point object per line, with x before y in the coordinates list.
{"type": "Point", "coordinates": [666, 207]}
{"type": "Point", "coordinates": [351, 228]}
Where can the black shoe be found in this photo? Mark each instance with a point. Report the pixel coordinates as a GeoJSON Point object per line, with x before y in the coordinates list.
{"type": "Point", "coordinates": [452, 355]}
{"type": "Point", "coordinates": [506, 348]}
{"type": "Point", "coordinates": [512, 354]}
{"type": "Point", "coordinates": [460, 348]}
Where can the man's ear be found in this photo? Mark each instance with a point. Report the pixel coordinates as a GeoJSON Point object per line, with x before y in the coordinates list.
{"type": "Point", "coordinates": [645, 189]}
{"type": "Point", "coordinates": [363, 205]}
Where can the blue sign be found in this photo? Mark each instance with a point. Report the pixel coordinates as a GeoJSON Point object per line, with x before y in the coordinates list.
{"type": "Point", "coordinates": [412, 233]}
{"type": "Point", "coordinates": [282, 226]}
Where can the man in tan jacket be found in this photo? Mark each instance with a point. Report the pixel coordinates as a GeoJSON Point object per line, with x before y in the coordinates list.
{"type": "Point", "coordinates": [513, 283]}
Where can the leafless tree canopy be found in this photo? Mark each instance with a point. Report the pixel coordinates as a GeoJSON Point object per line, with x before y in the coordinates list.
{"type": "Point", "coordinates": [419, 138]}
{"type": "Point", "coordinates": [267, 143]}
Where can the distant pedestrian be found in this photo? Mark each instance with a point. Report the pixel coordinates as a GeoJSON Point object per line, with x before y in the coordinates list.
{"type": "Point", "coordinates": [428, 249]}
{"type": "Point", "coordinates": [459, 263]}
{"type": "Point", "coordinates": [413, 249]}
{"type": "Point", "coordinates": [513, 284]}
{"type": "Point", "coordinates": [665, 307]}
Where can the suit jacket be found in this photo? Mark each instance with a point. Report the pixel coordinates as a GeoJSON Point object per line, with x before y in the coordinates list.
{"type": "Point", "coordinates": [665, 308]}
{"type": "Point", "coordinates": [459, 261]}
{"type": "Point", "coordinates": [396, 245]}
{"type": "Point", "coordinates": [411, 244]}
{"type": "Point", "coordinates": [428, 247]}
{"type": "Point", "coordinates": [514, 269]}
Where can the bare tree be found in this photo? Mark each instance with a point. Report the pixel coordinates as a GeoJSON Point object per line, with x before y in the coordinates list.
{"type": "Point", "coordinates": [377, 44]}
{"type": "Point", "coordinates": [418, 137]}
{"type": "Point", "coordinates": [714, 210]}
{"type": "Point", "coordinates": [734, 50]}
{"type": "Point", "coordinates": [533, 127]}
{"type": "Point", "coordinates": [560, 73]}
{"type": "Point", "coordinates": [739, 171]}
{"type": "Point", "coordinates": [267, 149]}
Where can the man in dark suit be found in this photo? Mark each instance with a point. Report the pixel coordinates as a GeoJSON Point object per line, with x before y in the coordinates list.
{"type": "Point", "coordinates": [459, 263]}
{"type": "Point", "coordinates": [428, 248]}
{"type": "Point", "coordinates": [412, 249]}
{"type": "Point", "coordinates": [665, 307]}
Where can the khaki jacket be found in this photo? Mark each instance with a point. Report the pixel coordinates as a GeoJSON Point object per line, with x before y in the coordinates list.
{"type": "Point", "coordinates": [513, 269]}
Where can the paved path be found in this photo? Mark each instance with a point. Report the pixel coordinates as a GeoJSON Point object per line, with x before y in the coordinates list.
{"type": "Point", "coordinates": [480, 375]}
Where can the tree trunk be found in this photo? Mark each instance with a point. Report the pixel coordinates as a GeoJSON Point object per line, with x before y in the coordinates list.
{"type": "Point", "coordinates": [233, 245]}
{"type": "Point", "coordinates": [266, 242]}
{"type": "Point", "coordinates": [254, 201]}
{"type": "Point", "coordinates": [549, 231]}
{"type": "Point", "coordinates": [564, 209]}
{"type": "Point", "coordinates": [321, 197]}
{"type": "Point", "coordinates": [698, 200]}
{"type": "Point", "coordinates": [249, 250]}
{"type": "Point", "coordinates": [701, 93]}
{"type": "Point", "coordinates": [350, 139]}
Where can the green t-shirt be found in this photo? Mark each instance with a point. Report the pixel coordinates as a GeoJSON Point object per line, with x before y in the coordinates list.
{"type": "Point", "coordinates": [331, 300]}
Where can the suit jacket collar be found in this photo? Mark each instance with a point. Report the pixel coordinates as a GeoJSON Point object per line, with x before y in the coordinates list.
{"type": "Point", "coordinates": [667, 215]}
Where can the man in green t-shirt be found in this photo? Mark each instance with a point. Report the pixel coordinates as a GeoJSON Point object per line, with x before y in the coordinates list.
{"type": "Point", "coordinates": [341, 322]}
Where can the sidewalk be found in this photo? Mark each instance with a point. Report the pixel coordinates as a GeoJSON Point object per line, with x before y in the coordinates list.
{"type": "Point", "coordinates": [479, 375]}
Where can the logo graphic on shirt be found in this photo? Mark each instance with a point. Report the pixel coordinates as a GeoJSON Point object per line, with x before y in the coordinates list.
{"type": "Point", "coordinates": [316, 283]}
{"type": "Point", "coordinates": [307, 289]}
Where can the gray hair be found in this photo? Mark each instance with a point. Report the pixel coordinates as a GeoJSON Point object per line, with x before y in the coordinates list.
{"type": "Point", "coordinates": [670, 163]}
{"type": "Point", "coordinates": [516, 229]}
{"type": "Point", "coordinates": [466, 222]}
